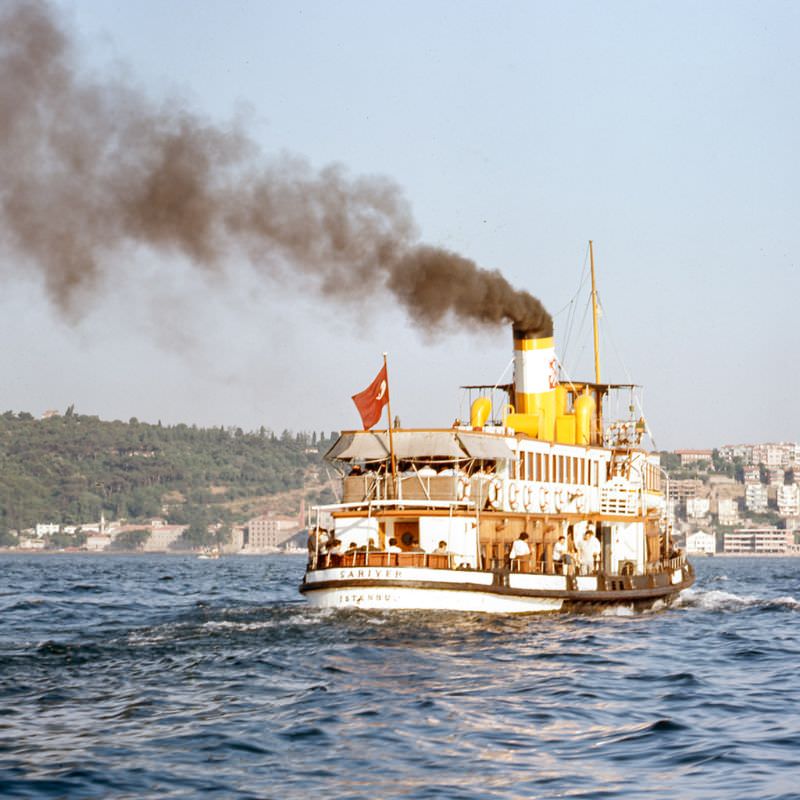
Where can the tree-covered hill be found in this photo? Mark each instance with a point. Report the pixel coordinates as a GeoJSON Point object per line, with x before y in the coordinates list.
{"type": "Point", "coordinates": [68, 469]}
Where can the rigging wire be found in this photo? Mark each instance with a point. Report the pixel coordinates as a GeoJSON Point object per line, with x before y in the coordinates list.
{"type": "Point", "coordinates": [607, 335]}
{"type": "Point", "coordinates": [570, 322]}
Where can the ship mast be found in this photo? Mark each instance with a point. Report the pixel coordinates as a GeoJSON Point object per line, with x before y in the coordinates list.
{"type": "Point", "coordinates": [594, 319]}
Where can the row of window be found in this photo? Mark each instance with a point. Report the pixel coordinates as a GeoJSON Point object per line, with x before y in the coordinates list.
{"type": "Point", "coordinates": [552, 468]}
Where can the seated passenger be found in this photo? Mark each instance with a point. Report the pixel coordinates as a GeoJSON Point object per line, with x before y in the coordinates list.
{"type": "Point", "coordinates": [352, 548]}
{"type": "Point", "coordinates": [520, 550]}
{"type": "Point", "coordinates": [393, 546]}
{"type": "Point", "coordinates": [441, 549]}
{"type": "Point", "coordinates": [426, 471]}
{"type": "Point", "coordinates": [561, 554]}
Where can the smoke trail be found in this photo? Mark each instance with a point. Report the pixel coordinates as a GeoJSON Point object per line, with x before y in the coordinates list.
{"type": "Point", "coordinates": [89, 168]}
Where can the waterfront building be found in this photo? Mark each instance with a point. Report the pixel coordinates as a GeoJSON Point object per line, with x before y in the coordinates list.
{"type": "Point", "coordinates": [767, 540]}
{"type": "Point", "coordinates": [97, 542]}
{"type": "Point", "coordinates": [46, 529]}
{"type": "Point", "coordinates": [162, 536]}
{"type": "Point", "coordinates": [268, 532]}
{"type": "Point", "coordinates": [701, 542]}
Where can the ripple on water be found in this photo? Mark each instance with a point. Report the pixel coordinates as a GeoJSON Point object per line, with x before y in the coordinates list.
{"type": "Point", "coordinates": [148, 677]}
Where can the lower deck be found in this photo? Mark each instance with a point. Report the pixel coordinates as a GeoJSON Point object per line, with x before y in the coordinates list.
{"type": "Point", "coordinates": [398, 586]}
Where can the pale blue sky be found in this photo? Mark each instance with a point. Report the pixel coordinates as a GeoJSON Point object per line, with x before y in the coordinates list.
{"type": "Point", "coordinates": [666, 132]}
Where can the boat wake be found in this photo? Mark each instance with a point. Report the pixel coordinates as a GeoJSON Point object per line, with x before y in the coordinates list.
{"type": "Point", "coordinates": [718, 600]}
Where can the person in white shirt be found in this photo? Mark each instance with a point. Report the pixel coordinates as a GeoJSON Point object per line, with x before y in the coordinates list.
{"type": "Point", "coordinates": [588, 551]}
{"type": "Point", "coordinates": [393, 546]}
{"type": "Point", "coordinates": [561, 555]}
{"type": "Point", "coordinates": [520, 550]}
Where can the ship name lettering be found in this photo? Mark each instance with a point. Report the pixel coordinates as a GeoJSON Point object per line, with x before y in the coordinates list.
{"type": "Point", "coordinates": [345, 574]}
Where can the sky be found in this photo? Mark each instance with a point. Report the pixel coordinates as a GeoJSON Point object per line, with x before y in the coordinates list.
{"type": "Point", "coordinates": [665, 132]}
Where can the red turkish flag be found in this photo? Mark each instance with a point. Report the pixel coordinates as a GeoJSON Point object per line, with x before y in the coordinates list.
{"type": "Point", "coordinates": [371, 401]}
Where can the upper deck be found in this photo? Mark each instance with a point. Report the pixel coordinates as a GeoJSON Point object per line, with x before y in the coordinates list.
{"type": "Point", "coordinates": [496, 470]}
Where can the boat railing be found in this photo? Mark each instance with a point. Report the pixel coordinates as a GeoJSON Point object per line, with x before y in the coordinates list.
{"type": "Point", "coordinates": [418, 485]}
{"type": "Point", "coordinates": [382, 558]}
{"type": "Point", "coordinates": [666, 564]}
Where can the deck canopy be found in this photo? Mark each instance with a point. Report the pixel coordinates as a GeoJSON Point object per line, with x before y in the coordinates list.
{"type": "Point", "coordinates": [485, 447]}
{"type": "Point", "coordinates": [413, 445]}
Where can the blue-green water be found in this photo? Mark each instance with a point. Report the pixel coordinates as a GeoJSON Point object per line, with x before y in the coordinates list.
{"type": "Point", "coordinates": [176, 677]}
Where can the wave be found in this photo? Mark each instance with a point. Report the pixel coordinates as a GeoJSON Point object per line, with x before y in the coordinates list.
{"type": "Point", "coordinates": [718, 600]}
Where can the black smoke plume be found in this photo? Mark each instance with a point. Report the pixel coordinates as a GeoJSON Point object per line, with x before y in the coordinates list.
{"type": "Point", "coordinates": [91, 167]}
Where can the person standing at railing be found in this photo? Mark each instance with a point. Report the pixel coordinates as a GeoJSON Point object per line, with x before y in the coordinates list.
{"type": "Point", "coordinates": [588, 552]}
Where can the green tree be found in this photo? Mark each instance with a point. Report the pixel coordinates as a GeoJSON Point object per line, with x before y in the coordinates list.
{"type": "Point", "coordinates": [131, 540]}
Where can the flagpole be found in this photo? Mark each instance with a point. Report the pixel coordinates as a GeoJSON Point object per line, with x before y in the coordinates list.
{"type": "Point", "coordinates": [389, 419]}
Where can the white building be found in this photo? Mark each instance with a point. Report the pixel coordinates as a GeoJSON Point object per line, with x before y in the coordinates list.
{"type": "Point", "coordinates": [758, 540]}
{"type": "Point", "coordinates": [729, 452]}
{"type": "Point", "coordinates": [756, 497]}
{"type": "Point", "coordinates": [46, 529]}
{"type": "Point", "coordinates": [775, 455]}
{"type": "Point", "coordinates": [775, 476]}
{"type": "Point", "coordinates": [268, 532]}
{"type": "Point", "coordinates": [789, 500]}
{"type": "Point", "coordinates": [727, 511]}
{"type": "Point", "coordinates": [701, 542]}
{"type": "Point", "coordinates": [697, 507]}
{"type": "Point", "coordinates": [97, 541]}
{"type": "Point", "coordinates": [162, 536]}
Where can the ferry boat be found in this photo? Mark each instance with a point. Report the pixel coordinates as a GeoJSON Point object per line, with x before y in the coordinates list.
{"type": "Point", "coordinates": [433, 518]}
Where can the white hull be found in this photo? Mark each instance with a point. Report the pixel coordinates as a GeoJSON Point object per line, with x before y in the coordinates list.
{"type": "Point", "coordinates": [401, 598]}
{"type": "Point", "coordinates": [457, 590]}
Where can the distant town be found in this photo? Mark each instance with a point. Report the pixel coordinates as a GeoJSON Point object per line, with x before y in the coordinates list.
{"type": "Point", "coordinates": [266, 533]}
{"type": "Point", "coordinates": [741, 499]}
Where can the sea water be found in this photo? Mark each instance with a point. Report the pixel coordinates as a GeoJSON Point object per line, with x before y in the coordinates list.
{"type": "Point", "coordinates": [169, 676]}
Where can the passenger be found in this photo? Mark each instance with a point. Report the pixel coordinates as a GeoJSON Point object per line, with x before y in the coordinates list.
{"type": "Point", "coordinates": [520, 550]}
{"type": "Point", "coordinates": [426, 471]}
{"type": "Point", "coordinates": [572, 548]}
{"type": "Point", "coordinates": [441, 549]}
{"type": "Point", "coordinates": [393, 546]}
{"type": "Point", "coordinates": [561, 555]}
{"type": "Point", "coordinates": [589, 551]}
{"type": "Point", "coordinates": [335, 547]}
{"type": "Point", "coordinates": [356, 470]}
{"type": "Point", "coordinates": [352, 548]}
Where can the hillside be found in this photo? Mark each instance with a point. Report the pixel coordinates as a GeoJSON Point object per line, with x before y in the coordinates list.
{"type": "Point", "coordinates": [69, 469]}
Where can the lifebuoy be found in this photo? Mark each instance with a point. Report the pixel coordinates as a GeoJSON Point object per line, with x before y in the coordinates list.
{"type": "Point", "coordinates": [463, 489]}
{"type": "Point", "coordinates": [528, 498]}
{"type": "Point", "coordinates": [513, 496]}
{"type": "Point", "coordinates": [544, 497]}
{"type": "Point", "coordinates": [496, 493]}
